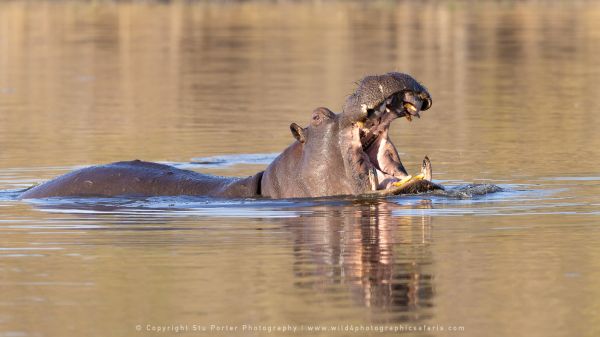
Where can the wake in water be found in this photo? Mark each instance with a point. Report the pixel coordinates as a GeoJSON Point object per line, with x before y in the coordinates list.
{"type": "Point", "coordinates": [468, 191]}
{"type": "Point", "coordinates": [9, 195]}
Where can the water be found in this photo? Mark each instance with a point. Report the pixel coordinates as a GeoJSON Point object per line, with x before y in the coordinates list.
{"type": "Point", "coordinates": [213, 87]}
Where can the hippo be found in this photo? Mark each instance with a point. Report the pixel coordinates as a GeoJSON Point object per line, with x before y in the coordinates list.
{"type": "Point", "coordinates": [347, 153]}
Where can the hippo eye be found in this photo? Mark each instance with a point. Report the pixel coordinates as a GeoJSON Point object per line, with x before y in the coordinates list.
{"type": "Point", "coordinates": [321, 114]}
{"type": "Point", "coordinates": [316, 119]}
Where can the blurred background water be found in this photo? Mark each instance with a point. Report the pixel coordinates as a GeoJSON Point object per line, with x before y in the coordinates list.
{"type": "Point", "coordinates": [515, 93]}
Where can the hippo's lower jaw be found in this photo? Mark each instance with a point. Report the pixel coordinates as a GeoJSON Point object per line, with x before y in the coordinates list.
{"type": "Point", "coordinates": [383, 171]}
{"type": "Point", "coordinates": [418, 184]}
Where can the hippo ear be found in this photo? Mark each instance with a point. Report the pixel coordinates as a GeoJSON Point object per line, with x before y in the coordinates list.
{"type": "Point", "coordinates": [298, 132]}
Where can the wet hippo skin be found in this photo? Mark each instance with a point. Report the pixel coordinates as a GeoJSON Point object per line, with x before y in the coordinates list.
{"type": "Point", "coordinates": [140, 178]}
{"type": "Point", "coordinates": [348, 153]}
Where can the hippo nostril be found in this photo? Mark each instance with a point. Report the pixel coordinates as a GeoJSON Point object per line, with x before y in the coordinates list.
{"type": "Point", "coordinates": [426, 104]}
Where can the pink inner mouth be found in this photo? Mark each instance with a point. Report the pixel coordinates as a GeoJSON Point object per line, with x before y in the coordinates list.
{"type": "Point", "coordinates": [378, 155]}
{"type": "Point", "coordinates": [377, 149]}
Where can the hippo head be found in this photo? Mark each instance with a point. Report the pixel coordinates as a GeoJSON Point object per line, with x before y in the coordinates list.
{"type": "Point", "coordinates": [350, 152]}
{"type": "Point", "coordinates": [368, 113]}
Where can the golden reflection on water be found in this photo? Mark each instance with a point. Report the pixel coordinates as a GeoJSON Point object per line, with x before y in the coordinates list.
{"type": "Point", "coordinates": [357, 246]}
{"type": "Point", "coordinates": [515, 102]}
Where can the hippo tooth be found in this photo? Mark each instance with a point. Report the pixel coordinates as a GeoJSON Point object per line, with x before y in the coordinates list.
{"type": "Point", "coordinates": [386, 105]}
{"type": "Point", "coordinates": [410, 107]}
{"type": "Point", "coordinates": [419, 176]}
{"type": "Point", "coordinates": [402, 181]}
{"type": "Point", "coordinates": [373, 179]}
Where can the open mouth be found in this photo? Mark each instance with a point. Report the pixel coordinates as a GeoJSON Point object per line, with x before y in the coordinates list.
{"type": "Point", "coordinates": [381, 156]}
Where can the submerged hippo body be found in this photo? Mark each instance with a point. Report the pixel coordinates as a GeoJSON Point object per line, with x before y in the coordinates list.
{"type": "Point", "coordinates": [139, 178]}
{"type": "Point", "coordinates": [336, 154]}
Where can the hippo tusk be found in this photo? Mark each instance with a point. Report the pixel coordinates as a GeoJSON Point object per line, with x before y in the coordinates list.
{"type": "Point", "coordinates": [409, 179]}
{"type": "Point", "coordinates": [410, 107]}
{"type": "Point", "coordinates": [373, 179]}
{"type": "Point", "coordinates": [402, 181]}
{"type": "Point", "coordinates": [426, 169]}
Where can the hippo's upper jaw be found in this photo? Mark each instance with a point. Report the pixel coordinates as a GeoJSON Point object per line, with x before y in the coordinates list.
{"type": "Point", "coordinates": [379, 91]}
